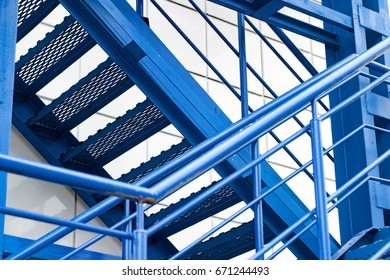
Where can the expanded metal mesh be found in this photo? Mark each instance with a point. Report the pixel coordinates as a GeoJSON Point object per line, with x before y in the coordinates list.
{"type": "Point", "coordinates": [86, 94]}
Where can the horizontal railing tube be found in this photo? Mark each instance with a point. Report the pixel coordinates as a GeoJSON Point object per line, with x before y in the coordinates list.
{"type": "Point", "coordinates": [72, 178]}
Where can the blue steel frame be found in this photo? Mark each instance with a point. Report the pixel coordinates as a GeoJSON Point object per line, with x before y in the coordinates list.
{"type": "Point", "coordinates": [8, 26]}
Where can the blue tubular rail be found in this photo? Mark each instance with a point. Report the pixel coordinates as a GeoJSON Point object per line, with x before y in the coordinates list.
{"type": "Point", "coordinates": [170, 177]}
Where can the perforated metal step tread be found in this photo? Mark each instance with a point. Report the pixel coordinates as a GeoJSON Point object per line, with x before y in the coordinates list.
{"type": "Point", "coordinates": [52, 55]}
{"type": "Point", "coordinates": [118, 137]}
{"type": "Point", "coordinates": [230, 244]}
{"type": "Point", "coordinates": [218, 202]}
{"type": "Point", "coordinates": [85, 98]}
{"type": "Point", "coordinates": [31, 13]}
{"type": "Point", "coordinates": [156, 162]}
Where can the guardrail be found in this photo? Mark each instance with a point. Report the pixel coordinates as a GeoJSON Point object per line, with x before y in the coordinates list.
{"type": "Point", "coordinates": [205, 156]}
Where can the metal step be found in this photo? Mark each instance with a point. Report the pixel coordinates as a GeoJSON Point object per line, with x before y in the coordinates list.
{"type": "Point", "coordinates": [227, 245]}
{"type": "Point", "coordinates": [52, 55]}
{"type": "Point", "coordinates": [117, 137]}
{"type": "Point", "coordinates": [156, 162]}
{"type": "Point", "coordinates": [151, 165]}
{"type": "Point", "coordinates": [31, 13]}
{"type": "Point", "coordinates": [82, 100]}
{"type": "Point", "coordinates": [218, 202]}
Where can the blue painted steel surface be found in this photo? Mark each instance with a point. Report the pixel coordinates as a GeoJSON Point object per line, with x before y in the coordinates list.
{"type": "Point", "coordinates": [68, 42]}
{"type": "Point", "coordinates": [62, 222]}
{"type": "Point", "coordinates": [8, 28]}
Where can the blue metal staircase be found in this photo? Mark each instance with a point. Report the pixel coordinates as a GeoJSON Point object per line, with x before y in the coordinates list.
{"type": "Point", "coordinates": [211, 141]}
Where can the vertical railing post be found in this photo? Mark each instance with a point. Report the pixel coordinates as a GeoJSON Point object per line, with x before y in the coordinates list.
{"type": "Point", "coordinates": [126, 242]}
{"type": "Point", "coordinates": [258, 213]}
{"type": "Point", "coordinates": [8, 29]}
{"type": "Point", "coordinates": [140, 235]}
{"type": "Point", "coordinates": [320, 190]}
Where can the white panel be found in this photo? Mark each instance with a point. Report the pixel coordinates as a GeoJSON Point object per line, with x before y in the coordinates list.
{"type": "Point", "coordinates": [108, 245]}
{"type": "Point", "coordinates": [35, 196]}
{"type": "Point", "coordinates": [220, 55]}
{"type": "Point", "coordinates": [225, 99]}
{"type": "Point", "coordinates": [192, 25]}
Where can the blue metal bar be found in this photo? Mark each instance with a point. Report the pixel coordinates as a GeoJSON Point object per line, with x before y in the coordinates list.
{"type": "Point", "coordinates": [384, 250]}
{"type": "Point", "coordinates": [63, 222]}
{"type": "Point", "coordinates": [249, 205]}
{"type": "Point", "coordinates": [140, 235]}
{"type": "Point", "coordinates": [60, 232]}
{"type": "Point", "coordinates": [254, 9]}
{"type": "Point", "coordinates": [140, 7]}
{"type": "Point", "coordinates": [92, 241]}
{"type": "Point", "coordinates": [126, 242]}
{"type": "Point", "coordinates": [242, 64]}
{"type": "Point", "coordinates": [339, 200]}
{"type": "Point", "coordinates": [8, 30]}
{"type": "Point", "coordinates": [320, 188]}
{"type": "Point", "coordinates": [259, 78]}
{"type": "Point", "coordinates": [378, 67]}
{"type": "Point", "coordinates": [72, 178]}
{"type": "Point", "coordinates": [321, 12]}
{"type": "Point", "coordinates": [373, 77]}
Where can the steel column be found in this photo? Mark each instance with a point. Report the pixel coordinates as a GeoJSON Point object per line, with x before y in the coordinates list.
{"type": "Point", "coordinates": [8, 30]}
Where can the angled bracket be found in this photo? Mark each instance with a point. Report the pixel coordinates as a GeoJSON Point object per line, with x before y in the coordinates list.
{"type": "Point", "coordinates": [374, 21]}
{"type": "Point", "coordinates": [378, 105]}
